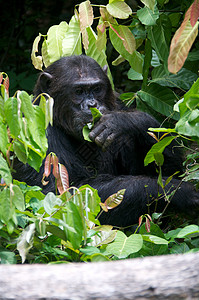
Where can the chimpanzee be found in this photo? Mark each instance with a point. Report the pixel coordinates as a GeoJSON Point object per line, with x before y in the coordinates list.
{"type": "Point", "coordinates": [115, 158]}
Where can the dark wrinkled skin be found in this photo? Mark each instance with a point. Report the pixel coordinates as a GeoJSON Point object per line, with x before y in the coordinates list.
{"type": "Point", "coordinates": [115, 159]}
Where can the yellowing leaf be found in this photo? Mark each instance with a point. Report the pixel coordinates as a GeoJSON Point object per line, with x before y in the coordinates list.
{"type": "Point", "coordinates": [85, 14]}
{"type": "Point", "coordinates": [180, 46]}
{"type": "Point", "coordinates": [113, 200]}
{"type": "Point", "coordinates": [36, 60]}
{"type": "Point", "coordinates": [119, 9]}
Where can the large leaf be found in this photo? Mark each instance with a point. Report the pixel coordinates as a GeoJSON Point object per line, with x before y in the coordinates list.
{"type": "Point", "coordinates": [72, 42]}
{"type": "Point", "coordinates": [135, 60]}
{"type": "Point", "coordinates": [3, 138]}
{"type": "Point", "coordinates": [157, 148]}
{"type": "Point", "coordinates": [12, 114]}
{"type": "Point", "coordinates": [180, 45]}
{"type": "Point", "coordinates": [147, 16]}
{"type": "Point", "coordinates": [93, 51]}
{"type": "Point", "coordinates": [184, 79]}
{"type": "Point", "coordinates": [123, 246]}
{"type": "Point", "coordinates": [161, 99]}
{"type": "Point", "coordinates": [187, 125]}
{"type": "Point", "coordinates": [149, 3]}
{"type": "Point", "coordinates": [55, 36]}
{"type": "Point", "coordinates": [119, 9]}
{"type": "Point", "coordinates": [160, 35]}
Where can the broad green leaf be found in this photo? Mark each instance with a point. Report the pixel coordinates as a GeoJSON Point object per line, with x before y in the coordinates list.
{"type": "Point", "coordinates": [85, 14]}
{"type": "Point", "coordinates": [98, 257]}
{"type": "Point", "coordinates": [133, 75]}
{"type": "Point", "coordinates": [180, 46]}
{"type": "Point", "coordinates": [73, 219]}
{"type": "Point", "coordinates": [147, 62]}
{"type": "Point", "coordinates": [26, 104]}
{"type": "Point", "coordinates": [90, 250]}
{"type": "Point", "coordinates": [7, 257]}
{"type": "Point", "coordinates": [55, 36]}
{"type": "Point", "coordinates": [36, 60]}
{"type": "Point", "coordinates": [12, 114]}
{"type": "Point", "coordinates": [90, 198]}
{"type": "Point", "coordinates": [187, 128]}
{"type": "Point", "coordinates": [159, 36]}
{"type": "Point", "coordinates": [184, 79]}
{"type": "Point", "coordinates": [161, 99]}
{"type": "Point", "coordinates": [157, 148]}
{"type": "Point", "coordinates": [96, 114]}
{"type": "Point", "coordinates": [149, 3]}
{"type": "Point", "coordinates": [6, 210]}
{"type": "Point", "coordinates": [3, 138]}
{"type": "Point", "coordinates": [50, 201]}
{"type": "Point", "coordinates": [5, 171]}
{"type": "Point", "coordinates": [93, 51]}
{"type": "Point", "coordinates": [188, 230]}
{"type": "Point", "coordinates": [154, 239]}
{"type": "Point", "coordinates": [17, 197]}
{"type": "Point", "coordinates": [135, 60]}
{"type": "Point", "coordinates": [104, 235]}
{"type": "Point", "coordinates": [25, 241]}
{"type": "Point", "coordinates": [119, 9]}
{"type": "Point", "coordinates": [123, 246]}
{"type": "Point", "coordinates": [71, 44]}
{"type": "Point", "coordinates": [147, 16]}
{"type": "Point", "coordinates": [37, 129]}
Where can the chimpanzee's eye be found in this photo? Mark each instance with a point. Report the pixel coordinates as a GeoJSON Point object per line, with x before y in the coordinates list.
{"type": "Point", "coordinates": [97, 89]}
{"type": "Point", "coordinates": [79, 91]}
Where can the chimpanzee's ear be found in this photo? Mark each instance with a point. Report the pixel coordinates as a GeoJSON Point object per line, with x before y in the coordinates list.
{"type": "Point", "coordinates": [105, 69]}
{"type": "Point", "coordinates": [44, 81]}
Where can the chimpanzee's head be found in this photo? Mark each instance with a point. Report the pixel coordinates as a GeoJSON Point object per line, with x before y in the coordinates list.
{"type": "Point", "coordinates": [76, 83]}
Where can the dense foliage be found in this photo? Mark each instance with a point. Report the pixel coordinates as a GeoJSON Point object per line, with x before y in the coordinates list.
{"type": "Point", "coordinates": [59, 228]}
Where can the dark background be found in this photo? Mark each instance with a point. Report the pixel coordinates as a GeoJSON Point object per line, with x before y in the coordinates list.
{"type": "Point", "coordinates": [20, 22]}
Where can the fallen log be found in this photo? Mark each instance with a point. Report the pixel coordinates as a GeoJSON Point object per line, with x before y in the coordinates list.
{"type": "Point", "coordinates": [159, 277]}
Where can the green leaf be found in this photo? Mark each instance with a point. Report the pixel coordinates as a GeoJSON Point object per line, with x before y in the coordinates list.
{"type": "Point", "coordinates": [183, 126]}
{"type": "Point", "coordinates": [5, 171]}
{"type": "Point", "coordinates": [50, 201]}
{"type": "Point", "coordinates": [93, 51]}
{"type": "Point", "coordinates": [147, 16]}
{"type": "Point", "coordinates": [12, 114]}
{"type": "Point", "coordinates": [135, 60]}
{"type": "Point", "coordinates": [7, 257]}
{"type": "Point", "coordinates": [96, 114]}
{"type": "Point", "coordinates": [147, 62]}
{"type": "Point", "coordinates": [71, 44]}
{"type": "Point", "coordinates": [184, 79]}
{"type": "Point", "coordinates": [149, 3]}
{"type": "Point", "coordinates": [119, 9]}
{"type": "Point", "coordinates": [192, 230]}
{"type": "Point", "coordinates": [160, 35]}
{"type": "Point", "coordinates": [123, 246]}
{"type": "Point", "coordinates": [73, 219]}
{"type": "Point", "coordinates": [154, 239]}
{"type": "Point", "coordinates": [160, 99]}
{"type": "Point", "coordinates": [133, 75]}
{"type": "Point", "coordinates": [157, 148]}
{"type": "Point", "coordinates": [55, 36]}
{"type": "Point", "coordinates": [17, 197]}
{"type": "Point", "coordinates": [3, 138]}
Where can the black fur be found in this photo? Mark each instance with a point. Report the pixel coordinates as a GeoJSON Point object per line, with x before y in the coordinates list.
{"type": "Point", "coordinates": [115, 159]}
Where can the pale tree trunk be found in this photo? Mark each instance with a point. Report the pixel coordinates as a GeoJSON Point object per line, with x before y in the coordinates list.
{"type": "Point", "coordinates": [159, 277]}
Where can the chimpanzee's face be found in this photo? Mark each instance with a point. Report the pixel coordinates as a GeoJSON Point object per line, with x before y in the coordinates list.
{"type": "Point", "coordinates": [76, 83]}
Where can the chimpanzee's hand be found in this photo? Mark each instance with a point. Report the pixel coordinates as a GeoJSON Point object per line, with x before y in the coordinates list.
{"type": "Point", "coordinates": [107, 129]}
